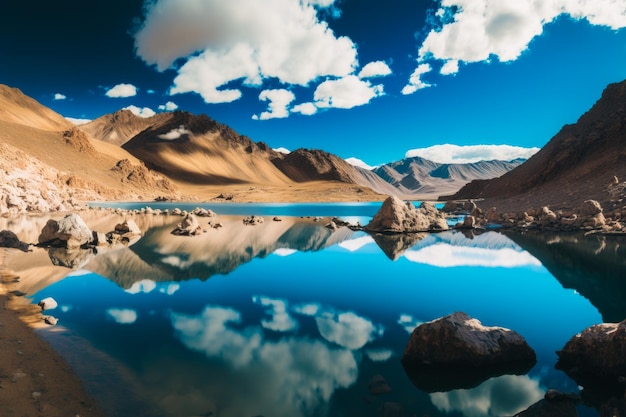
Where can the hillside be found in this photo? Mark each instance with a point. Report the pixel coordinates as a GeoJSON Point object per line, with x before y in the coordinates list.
{"type": "Point", "coordinates": [18, 108]}
{"type": "Point", "coordinates": [586, 160]}
{"type": "Point", "coordinates": [119, 127]}
{"type": "Point", "coordinates": [414, 176]}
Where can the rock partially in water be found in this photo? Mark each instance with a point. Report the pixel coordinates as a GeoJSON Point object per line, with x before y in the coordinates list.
{"type": "Point", "coordinates": [70, 232]}
{"type": "Point", "coordinates": [457, 351]}
{"type": "Point", "coordinates": [397, 216]}
{"type": "Point", "coordinates": [188, 227]}
{"type": "Point", "coordinates": [48, 303]}
{"type": "Point", "coordinates": [596, 358]}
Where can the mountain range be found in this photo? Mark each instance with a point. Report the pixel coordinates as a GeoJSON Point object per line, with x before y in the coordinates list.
{"type": "Point", "coordinates": [585, 160]}
{"type": "Point", "coordinates": [180, 155]}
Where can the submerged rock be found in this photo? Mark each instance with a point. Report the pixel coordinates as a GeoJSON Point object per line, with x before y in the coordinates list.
{"type": "Point", "coordinates": [397, 216]}
{"type": "Point", "coordinates": [457, 351]}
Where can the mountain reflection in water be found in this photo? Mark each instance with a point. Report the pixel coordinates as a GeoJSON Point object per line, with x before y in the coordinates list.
{"type": "Point", "coordinates": [290, 318]}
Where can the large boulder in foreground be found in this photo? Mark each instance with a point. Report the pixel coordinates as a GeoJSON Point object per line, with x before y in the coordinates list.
{"type": "Point", "coordinates": [458, 352]}
{"type": "Point", "coordinates": [397, 216]}
{"type": "Point", "coordinates": [596, 358]}
{"type": "Point", "coordinates": [70, 232]}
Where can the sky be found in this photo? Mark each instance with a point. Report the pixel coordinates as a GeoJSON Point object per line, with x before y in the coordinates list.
{"type": "Point", "coordinates": [365, 79]}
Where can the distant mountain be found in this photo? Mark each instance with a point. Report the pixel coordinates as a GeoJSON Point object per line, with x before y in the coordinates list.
{"type": "Point", "coordinates": [419, 176]}
{"type": "Point", "coordinates": [18, 108]}
{"type": "Point", "coordinates": [119, 127]}
{"type": "Point", "coordinates": [581, 162]}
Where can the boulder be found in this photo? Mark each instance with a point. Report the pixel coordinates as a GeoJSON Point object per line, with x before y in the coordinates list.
{"type": "Point", "coordinates": [128, 226]}
{"type": "Point", "coordinates": [71, 232]}
{"type": "Point", "coordinates": [597, 357]}
{"type": "Point", "coordinates": [590, 208]}
{"type": "Point", "coordinates": [188, 227]}
{"type": "Point", "coordinates": [8, 239]}
{"type": "Point", "coordinates": [397, 216]}
{"type": "Point", "coordinates": [457, 351]}
{"type": "Point", "coordinates": [48, 303]}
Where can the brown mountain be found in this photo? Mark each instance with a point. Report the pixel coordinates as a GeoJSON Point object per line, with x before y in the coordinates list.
{"type": "Point", "coordinates": [119, 127]}
{"type": "Point", "coordinates": [49, 162]}
{"type": "Point", "coordinates": [586, 160]}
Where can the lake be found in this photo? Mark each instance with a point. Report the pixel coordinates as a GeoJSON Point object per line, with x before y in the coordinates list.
{"type": "Point", "coordinates": [289, 318]}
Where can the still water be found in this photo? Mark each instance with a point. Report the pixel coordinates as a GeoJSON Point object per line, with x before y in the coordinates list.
{"type": "Point", "coordinates": [288, 318]}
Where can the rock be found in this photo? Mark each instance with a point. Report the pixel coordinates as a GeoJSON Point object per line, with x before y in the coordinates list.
{"type": "Point", "coordinates": [48, 303]}
{"type": "Point", "coordinates": [74, 258]}
{"type": "Point", "coordinates": [71, 232]}
{"type": "Point", "coordinates": [590, 208]}
{"type": "Point", "coordinates": [253, 220]}
{"type": "Point", "coordinates": [492, 215]}
{"type": "Point", "coordinates": [396, 216]}
{"type": "Point", "coordinates": [188, 227]}
{"type": "Point", "coordinates": [469, 222]}
{"type": "Point", "coordinates": [331, 225]}
{"type": "Point", "coordinates": [377, 385]}
{"type": "Point", "coordinates": [597, 357]}
{"type": "Point", "coordinates": [457, 351]}
{"type": "Point", "coordinates": [100, 239]}
{"type": "Point", "coordinates": [128, 226]}
{"type": "Point", "coordinates": [277, 219]}
{"type": "Point", "coordinates": [8, 239]}
{"type": "Point", "coordinates": [52, 321]}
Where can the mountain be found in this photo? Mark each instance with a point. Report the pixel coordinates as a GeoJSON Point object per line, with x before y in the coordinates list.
{"type": "Point", "coordinates": [119, 127]}
{"type": "Point", "coordinates": [586, 160]}
{"type": "Point", "coordinates": [18, 108]}
{"type": "Point", "coordinates": [419, 176]}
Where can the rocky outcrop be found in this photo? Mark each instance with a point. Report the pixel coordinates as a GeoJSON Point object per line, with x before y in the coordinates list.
{"type": "Point", "coordinates": [253, 220]}
{"type": "Point", "coordinates": [457, 351]}
{"type": "Point", "coordinates": [397, 216]}
{"type": "Point", "coordinates": [188, 227]}
{"type": "Point", "coordinates": [70, 232]}
{"type": "Point", "coordinates": [597, 357]}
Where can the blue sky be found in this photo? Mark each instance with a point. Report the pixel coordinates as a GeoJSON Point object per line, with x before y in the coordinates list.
{"type": "Point", "coordinates": [359, 78]}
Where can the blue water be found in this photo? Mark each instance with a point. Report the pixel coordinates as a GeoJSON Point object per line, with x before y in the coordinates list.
{"type": "Point", "coordinates": [298, 323]}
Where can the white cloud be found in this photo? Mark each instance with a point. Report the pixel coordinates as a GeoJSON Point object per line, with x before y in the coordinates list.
{"type": "Point", "coordinates": [175, 134]}
{"type": "Point", "coordinates": [307, 309]}
{"type": "Point", "coordinates": [78, 122]}
{"type": "Point", "coordinates": [415, 81]}
{"type": "Point", "coordinates": [59, 96]}
{"type": "Point", "coordinates": [359, 163]}
{"type": "Point", "coordinates": [505, 395]}
{"type": "Point", "coordinates": [246, 40]}
{"type": "Point", "coordinates": [346, 329]}
{"type": "Point", "coordinates": [482, 29]}
{"type": "Point", "coordinates": [375, 69]}
{"type": "Point", "coordinates": [121, 91]}
{"type": "Point", "coordinates": [286, 152]}
{"type": "Point", "coordinates": [279, 101]}
{"type": "Point", "coordinates": [169, 106]}
{"type": "Point", "coordinates": [281, 320]}
{"type": "Point", "coordinates": [408, 322]}
{"type": "Point", "coordinates": [143, 286]}
{"type": "Point", "coordinates": [379, 355]}
{"type": "Point", "coordinates": [140, 111]}
{"type": "Point", "coordinates": [122, 315]}
{"type": "Point", "coordinates": [455, 154]}
{"type": "Point", "coordinates": [444, 255]}
{"type": "Point", "coordinates": [346, 93]}
{"type": "Point", "coordinates": [306, 109]}
{"type": "Point", "coordinates": [170, 289]}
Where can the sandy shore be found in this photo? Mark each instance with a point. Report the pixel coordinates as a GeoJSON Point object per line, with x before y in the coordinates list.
{"type": "Point", "coordinates": [34, 379]}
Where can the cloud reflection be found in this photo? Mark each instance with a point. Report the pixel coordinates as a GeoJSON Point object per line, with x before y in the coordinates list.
{"type": "Point", "coordinates": [408, 322]}
{"type": "Point", "coordinates": [302, 373]}
{"type": "Point", "coordinates": [144, 286]}
{"type": "Point", "coordinates": [501, 396]}
{"type": "Point", "coordinates": [354, 245]}
{"type": "Point", "coordinates": [281, 320]}
{"type": "Point", "coordinates": [379, 355]}
{"type": "Point", "coordinates": [122, 315]}
{"type": "Point", "coordinates": [444, 255]}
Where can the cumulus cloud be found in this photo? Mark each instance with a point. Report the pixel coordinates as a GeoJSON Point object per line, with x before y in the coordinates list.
{"type": "Point", "coordinates": [281, 321]}
{"type": "Point", "coordinates": [346, 93]}
{"type": "Point", "coordinates": [78, 122]}
{"type": "Point", "coordinates": [279, 101]}
{"type": "Point", "coordinates": [359, 163]}
{"type": "Point", "coordinates": [481, 30]}
{"type": "Point", "coordinates": [121, 91]}
{"type": "Point", "coordinates": [415, 81]}
{"type": "Point", "coordinates": [170, 289]}
{"type": "Point", "coordinates": [306, 109]}
{"type": "Point", "coordinates": [122, 315]}
{"type": "Point", "coordinates": [169, 106]}
{"type": "Point", "coordinates": [143, 286]}
{"type": "Point", "coordinates": [140, 111]}
{"type": "Point", "coordinates": [408, 322]}
{"type": "Point", "coordinates": [221, 42]}
{"type": "Point", "coordinates": [59, 96]}
{"type": "Point", "coordinates": [455, 154]}
{"type": "Point", "coordinates": [174, 134]}
{"type": "Point", "coordinates": [379, 355]}
{"type": "Point", "coordinates": [375, 69]}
